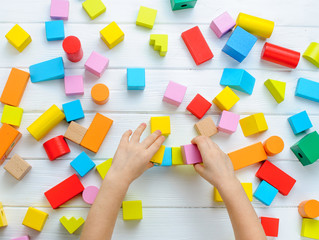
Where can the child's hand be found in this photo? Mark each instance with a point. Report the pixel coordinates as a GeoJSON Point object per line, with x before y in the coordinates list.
{"type": "Point", "coordinates": [132, 158]}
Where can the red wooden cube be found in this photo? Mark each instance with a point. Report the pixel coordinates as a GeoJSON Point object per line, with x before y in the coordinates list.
{"type": "Point", "coordinates": [198, 106]}
{"type": "Point", "coordinates": [270, 225]}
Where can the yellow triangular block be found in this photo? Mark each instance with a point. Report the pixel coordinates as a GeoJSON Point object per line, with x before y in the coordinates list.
{"type": "Point", "coordinates": [104, 167]}
{"type": "Point", "coordinates": [277, 89]}
{"type": "Point", "coordinates": [160, 42]}
{"type": "Point", "coordinates": [72, 224]}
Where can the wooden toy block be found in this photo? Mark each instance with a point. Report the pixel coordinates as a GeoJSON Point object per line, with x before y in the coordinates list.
{"type": "Point", "coordinates": [12, 115]}
{"type": "Point", "coordinates": [132, 210]}
{"type": "Point", "coordinates": [276, 177]}
{"type": "Point", "coordinates": [96, 133]}
{"type": "Point", "coordinates": [14, 88]}
{"type": "Point", "coordinates": [206, 127]}
{"type": "Point", "coordinates": [146, 17]}
{"type": "Point", "coordinates": [17, 167]}
{"type": "Point", "coordinates": [265, 193]}
{"type": "Point", "coordinates": [75, 132]}
{"type": "Point", "coordinates": [312, 54]}
{"type": "Point", "coordinates": [74, 85]}
{"type": "Point", "coordinates": [104, 167]}
{"type": "Point", "coordinates": [177, 157]}
{"type": "Point", "coordinates": [182, 4]}
{"type": "Point", "coordinates": [226, 99]}
{"type": "Point", "coordinates": [191, 154]}
{"type": "Point", "coordinates": [73, 49]}
{"type": "Point", "coordinates": [198, 106]}
{"type": "Point", "coordinates": [54, 30]}
{"type": "Point", "coordinates": [3, 218]}
{"type": "Point", "coordinates": [300, 122]}
{"type": "Point", "coordinates": [161, 123]}
{"type": "Point", "coordinates": [21, 238]}
{"type": "Point", "coordinates": [82, 164]}
{"type": "Point", "coordinates": [160, 43]}
{"type": "Point", "coordinates": [73, 110]}
{"type": "Point", "coordinates": [56, 147]}
{"type": "Point", "coordinates": [253, 124]}
{"type": "Point", "coordinates": [222, 24]}
{"type": "Point", "coordinates": [274, 145]}
{"type": "Point", "coordinates": [49, 70]}
{"type": "Point", "coordinates": [96, 64]}
{"type": "Point", "coordinates": [280, 55]}
{"type": "Point", "coordinates": [174, 93]}
{"type": "Point", "coordinates": [72, 224]}
{"type": "Point", "coordinates": [158, 157]}
{"type": "Point", "coordinates": [307, 89]}
{"type": "Point", "coordinates": [238, 79]}
{"type": "Point", "coordinates": [9, 137]}
{"type": "Point", "coordinates": [306, 149]}
{"type": "Point", "coordinates": [167, 158]}
{"type": "Point", "coordinates": [228, 122]}
{"type": "Point", "coordinates": [112, 35]}
{"type": "Point", "coordinates": [100, 93]}
{"type": "Point", "coordinates": [277, 89]}
{"type": "Point", "coordinates": [18, 38]}
{"type": "Point", "coordinates": [309, 209]}
{"type": "Point", "coordinates": [248, 155]}
{"type": "Point", "coordinates": [239, 44]}
{"type": "Point", "coordinates": [64, 191]}
{"type": "Point", "coordinates": [89, 194]}
{"type": "Point", "coordinates": [197, 45]}
{"type": "Point", "coordinates": [46, 122]}
{"type": "Point", "coordinates": [135, 78]}
{"type": "Point", "coordinates": [248, 188]}
{"type": "Point", "coordinates": [35, 219]}
{"type": "Point", "coordinates": [255, 25]}
{"type": "Point", "coordinates": [94, 8]}
{"type": "Point", "coordinates": [59, 9]}
{"type": "Point", "coordinates": [270, 226]}
{"type": "Point", "coordinates": [310, 228]}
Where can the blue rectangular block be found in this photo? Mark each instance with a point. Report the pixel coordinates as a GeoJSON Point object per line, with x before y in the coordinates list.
{"type": "Point", "coordinates": [82, 164]}
{"type": "Point", "coordinates": [73, 110]}
{"type": "Point", "coordinates": [54, 30]}
{"type": "Point", "coordinates": [300, 122]}
{"type": "Point", "coordinates": [238, 79]}
{"type": "Point", "coordinates": [135, 78]}
{"type": "Point", "coordinates": [239, 44]}
{"type": "Point", "coordinates": [265, 193]}
{"type": "Point", "coordinates": [167, 159]}
{"type": "Point", "coordinates": [48, 70]}
{"type": "Point", "coordinates": [307, 89]}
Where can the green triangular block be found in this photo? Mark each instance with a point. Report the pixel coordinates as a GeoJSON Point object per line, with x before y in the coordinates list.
{"type": "Point", "coordinates": [277, 89]}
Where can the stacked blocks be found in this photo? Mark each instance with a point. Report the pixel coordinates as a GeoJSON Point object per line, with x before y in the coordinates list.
{"type": "Point", "coordinates": [226, 99]}
{"type": "Point", "coordinates": [3, 218]}
{"type": "Point", "coordinates": [265, 193]}
{"type": "Point", "coordinates": [89, 194]}
{"type": "Point", "coordinates": [300, 122]}
{"type": "Point", "coordinates": [112, 35]}
{"type": "Point", "coordinates": [191, 154]}
{"type": "Point", "coordinates": [160, 42]}
{"type": "Point", "coordinates": [96, 64]}
{"type": "Point", "coordinates": [253, 124]}
{"type": "Point", "coordinates": [206, 127]}
{"type": "Point", "coordinates": [248, 188]}
{"type": "Point", "coordinates": [82, 164]}
{"type": "Point", "coordinates": [9, 137]}
{"type": "Point", "coordinates": [174, 93]}
{"type": "Point", "coordinates": [270, 226]}
{"type": "Point", "coordinates": [94, 8]}
{"type": "Point", "coordinates": [312, 54]}
{"type": "Point", "coordinates": [159, 155]}
{"type": "Point", "coordinates": [177, 157]}
{"type": "Point", "coordinates": [75, 132]}
{"type": "Point", "coordinates": [59, 9]}
{"type": "Point", "coordinates": [73, 85]}
{"type": "Point", "coordinates": [277, 89]}
{"type": "Point", "coordinates": [17, 167]}
{"type": "Point", "coordinates": [104, 167]}
{"type": "Point", "coordinates": [48, 70]}
{"type": "Point", "coordinates": [222, 24]}
{"type": "Point", "coordinates": [307, 89]}
{"type": "Point", "coordinates": [274, 145]}
{"type": "Point", "coordinates": [56, 147]}
{"type": "Point", "coordinates": [238, 79]}
{"type": "Point", "coordinates": [54, 30]}
{"type": "Point", "coordinates": [161, 123]}
{"type": "Point", "coordinates": [135, 78]}
{"type": "Point", "coordinates": [310, 228]}
{"type": "Point", "coordinates": [72, 224]}
{"type": "Point", "coordinates": [12, 115]}
{"type": "Point", "coordinates": [198, 106]}
{"type": "Point", "coordinates": [167, 158]}
{"type": "Point", "coordinates": [100, 93]}
{"type": "Point", "coordinates": [73, 110]}
{"type": "Point", "coordinates": [132, 210]}
{"type": "Point", "coordinates": [18, 38]}
{"type": "Point", "coordinates": [309, 209]}
{"type": "Point", "coordinates": [182, 4]}
{"type": "Point", "coordinates": [146, 17]}
{"type": "Point", "coordinates": [35, 219]}
{"type": "Point", "coordinates": [228, 122]}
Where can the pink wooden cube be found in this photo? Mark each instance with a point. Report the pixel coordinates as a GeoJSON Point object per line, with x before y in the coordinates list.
{"type": "Point", "coordinates": [222, 24]}
{"type": "Point", "coordinates": [228, 122]}
{"type": "Point", "coordinates": [21, 238]}
{"type": "Point", "coordinates": [59, 9]}
{"type": "Point", "coordinates": [96, 64]}
{"type": "Point", "coordinates": [174, 93]}
{"type": "Point", "coordinates": [73, 85]}
{"type": "Point", "coordinates": [191, 154]}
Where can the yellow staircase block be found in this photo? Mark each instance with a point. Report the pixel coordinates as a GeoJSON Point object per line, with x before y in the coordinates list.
{"type": "Point", "coordinates": [72, 224]}
{"type": "Point", "coordinates": [160, 42]}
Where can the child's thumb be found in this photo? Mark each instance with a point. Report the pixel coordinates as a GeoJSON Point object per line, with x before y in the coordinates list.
{"type": "Point", "coordinates": [199, 168]}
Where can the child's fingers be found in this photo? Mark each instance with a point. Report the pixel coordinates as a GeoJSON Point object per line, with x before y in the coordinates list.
{"type": "Point", "coordinates": [202, 143]}
{"type": "Point", "coordinates": [138, 132]}
{"type": "Point", "coordinates": [199, 168]}
{"type": "Point", "coordinates": [126, 137]}
{"type": "Point", "coordinates": [151, 138]}
{"type": "Point", "coordinates": [156, 145]}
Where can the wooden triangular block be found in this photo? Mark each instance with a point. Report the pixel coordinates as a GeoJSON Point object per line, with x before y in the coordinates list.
{"type": "Point", "coordinates": [277, 89]}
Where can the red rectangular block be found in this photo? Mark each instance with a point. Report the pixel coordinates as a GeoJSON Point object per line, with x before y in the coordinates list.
{"type": "Point", "coordinates": [197, 45]}
{"type": "Point", "coordinates": [64, 191]}
{"type": "Point", "coordinates": [276, 177]}
{"type": "Point", "coordinates": [270, 225]}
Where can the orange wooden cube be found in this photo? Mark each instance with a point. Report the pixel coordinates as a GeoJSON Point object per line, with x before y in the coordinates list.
{"type": "Point", "coordinates": [9, 137]}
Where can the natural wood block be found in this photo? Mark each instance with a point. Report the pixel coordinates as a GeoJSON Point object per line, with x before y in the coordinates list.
{"type": "Point", "coordinates": [75, 132]}
{"type": "Point", "coordinates": [206, 127]}
{"type": "Point", "coordinates": [17, 167]}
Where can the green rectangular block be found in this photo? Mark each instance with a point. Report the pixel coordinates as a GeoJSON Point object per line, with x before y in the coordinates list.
{"type": "Point", "coordinates": [182, 4]}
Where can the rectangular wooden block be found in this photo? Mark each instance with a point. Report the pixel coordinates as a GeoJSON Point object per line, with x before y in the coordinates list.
{"type": "Point", "coordinates": [75, 132]}
{"type": "Point", "coordinates": [135, 78]}
{"type": "Point", "coordinates": [3, 218]}
{"type": "Point", "coordinates": [191, 154]}
{"type": "Point", "coordinates": [206, 127]}
{"type": "Point", "coordinates": [253, 124]}
{"type": "Point", "coordinates": [158, 157]}
{"type": "Point", "coordinates": [307, 89]}
{"type": "Point", "coordinates": [310, 228]}
{"type": "Point", "coordinates": [177, 157]}
{"type": "Point", "coordinates": [132, 210]}
{"type": "Point", "coordinates": [9, 137]}
{"type": "Point", "coordinates": [167, 158]}
{"type": "Point", "coordinates": [17, 167]}
{"type": "Point", "coordinates": [248, 188]}
{"type": "Point", "coordinates": [48, 70]}
{"type": "Point", "coordinates": [35, 219]}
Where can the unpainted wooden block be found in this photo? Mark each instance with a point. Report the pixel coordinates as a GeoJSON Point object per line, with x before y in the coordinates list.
{"type": "Point", "coordinates": [17, 167]}
{"type": "Point", "coordinates": [206, 127]}
{"type": "Point", "coordinates": [75, 132]}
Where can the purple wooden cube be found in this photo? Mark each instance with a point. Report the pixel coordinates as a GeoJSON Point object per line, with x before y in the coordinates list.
{"type": "Point", "coordinates": [222, 24]}
{"type": "Point", "coordinates": [228, 122]}
{"type": "Point", "coordinates": [174, 93]}
{"type": "Point", "coordinates": [191, 154]}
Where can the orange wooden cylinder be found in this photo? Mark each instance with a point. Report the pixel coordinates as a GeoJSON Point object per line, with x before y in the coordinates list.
{"type": "Point", "coordinates": [309, 209]}
{"type": "Point", "coordinates": [100, 94]}
{"type": "Point", "coordinates": [274, 145]}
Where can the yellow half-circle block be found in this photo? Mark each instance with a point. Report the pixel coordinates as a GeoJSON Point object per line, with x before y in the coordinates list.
{"type": "Point", "coordinates": [72, 224]}
{"type": "Point", "coordinates": [160, 42]}
{"type": "Point", "coordinates": [312, 54]}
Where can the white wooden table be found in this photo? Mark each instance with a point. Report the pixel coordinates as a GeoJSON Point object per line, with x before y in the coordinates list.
{"type": "Point", "coordinates": [177, 203]}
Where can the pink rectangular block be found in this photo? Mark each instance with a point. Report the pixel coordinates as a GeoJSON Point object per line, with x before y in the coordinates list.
{"type": "Point", "coordinates": [59, 9]}
{"type": "Point", "coordinates": [21, 238]}
{"type": "Point", "coordinates": [222, 24]}
{"type": "Point", "coordinates": [191, 154]}
{"type": "Point", "coordinates": [73, 85]}
{"type": "Point", "coordinates": [96, 64]}
{"type": "Point", "coordinates": [174, 93]}
{"type": "Point", "coordinates": [228, 122]}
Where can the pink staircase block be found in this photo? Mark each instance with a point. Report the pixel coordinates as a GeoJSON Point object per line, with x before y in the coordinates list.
{"type": "Point", "coordinates": [174, 93]}
{"type": "Point", "coordinates": [96, 64]}
{"type": "Point", "coordinates": [222, 24]}
{"type": "Point", "coordinates": [59, 9]}
{"type": "Point", "coordinates": [191, 154]}
{"type": "Point", "coordinates": [228, 122]}
{"type": "Point", "coordinates": [73, 85]}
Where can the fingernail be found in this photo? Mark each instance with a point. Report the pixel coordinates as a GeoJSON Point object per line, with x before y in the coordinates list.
{"type": "Point", "coordinates": [159, 131]}
{"type": "Point", "coordinates": [143, 124]}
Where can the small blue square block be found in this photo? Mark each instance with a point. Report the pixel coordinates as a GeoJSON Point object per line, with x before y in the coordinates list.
{"type": "Point", "coordinates": [265, 193]}
{"type": "Point", "coordinates": [54, 30]}
{"type": "Point", "coordinates": [82, 164]}
{"type": "Point", "coordinates": [48, 70]}
{"type": "Point", "coordinates": [73, 110]}
{"type": "Point", "coordinates": [167, 159]}
{"type": "Point", "coordinates": [300, 122]}
{"type": "Point", "coordinates": [135, 78]}
{"type": "Point", "coordinates": [239, 44]}
{"type": "Point", "coordinates": [307, 89]}
{"type": "Point", "coordinates": [238, 79]}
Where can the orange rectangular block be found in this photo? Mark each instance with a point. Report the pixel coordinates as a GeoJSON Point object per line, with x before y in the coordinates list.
{"type": "Point", "coordinates": [247, 156]}
{"type": "Point", "coordinates": [14, 88]}
{"type": "Point", "coordinates": [96, 133]}
{"type": "Point", "coordinates": [9, 137]}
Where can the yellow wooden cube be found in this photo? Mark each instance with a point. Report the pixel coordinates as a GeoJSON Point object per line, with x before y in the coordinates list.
{"type": "Point", "coordinates": [104, 167]}
{"type": "Point", "coordinates": [226, 99]}
{"type": "Point", "coordinates": [3, 219]}
{"type": "Point", "coordinates": [35, 219]}
{"type": "Point", "coordinates": [177, 158]}
{"type": "Point", "coordinates": [112, 35]}
{"type": "Point", "coordinates": [248, 188]}
{"type": "Point", "coordinates": [253, 124]}
{"type": "Point", "coordinates": [310, 228]}
{"type": "Point", "coordinates": [158, 157]}
{"type": "Point", "coordinates": [132, 210]}
{"type": "Point", "coordinates": [12, 115]}
{"type": "Point", "coordinates": [146, 17]}
{"type": "Point", "coordinates": [72, 224]}
{"type": "Point", "coordinates": [94, 8]}
{"type": "Point", "coordinates": [18, 37]}
{"type": "Point", "coordinates": [161, 123]}
{"type": "Point", "coordinates": [160, 42]}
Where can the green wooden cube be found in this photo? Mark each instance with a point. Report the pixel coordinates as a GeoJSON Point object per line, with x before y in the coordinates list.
{"type": "Point", "coordinates": [182, 4]}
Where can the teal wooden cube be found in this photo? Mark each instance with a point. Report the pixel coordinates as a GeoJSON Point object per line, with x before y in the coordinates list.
{"type": "Point", "coordinates": [265, 193]}
{"type": "Point", "coordinates": [300, 122]}
{"type": "Point", "coordinates": [54, 30]}
{"type": "Point", "coordinates": [182, 4]}
{"type": "Point", "coordinates": [82, 164]}
{"type": "Point", "coordinates": [73, 110]}
{"type": "Point", "coordinates": [167, 159]}
{"type": "Point", "coordinates": [135, 78]}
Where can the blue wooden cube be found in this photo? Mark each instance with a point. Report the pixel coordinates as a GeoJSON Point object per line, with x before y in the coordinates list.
{"type": "Point", "coordinates": [307, 89]}
{"type": "Point", "coordinates": [238, 79]}
{"type": "Point", "coordinates": [300, 122]}
{"type": "Point", "coordinates": [54, 30]}
{"type": "Point", "coordinates": [167, 159]}
{"type": "Point", "coordinates": [48, 70]}
{"type": "Point", "coordinates": [73, 110]}
{"type": "Point", "coordinates": [239, 44]}
{"type": "Point", "coordinates": [135, 78]}
{"type": "Point", "coordinates": [265, 193]}
{"type": "Point", "coordinates": [82, 164]}
{"type": "Point", "coordinates": [182, 4]}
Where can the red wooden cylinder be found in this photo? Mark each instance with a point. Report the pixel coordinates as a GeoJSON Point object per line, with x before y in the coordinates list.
{"type": "Point", "coordinates": [280, 55]}
{"type": "Point", "coordinates": [56, 147]}
{"type": "Point", "coordinates": [72, 47]}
